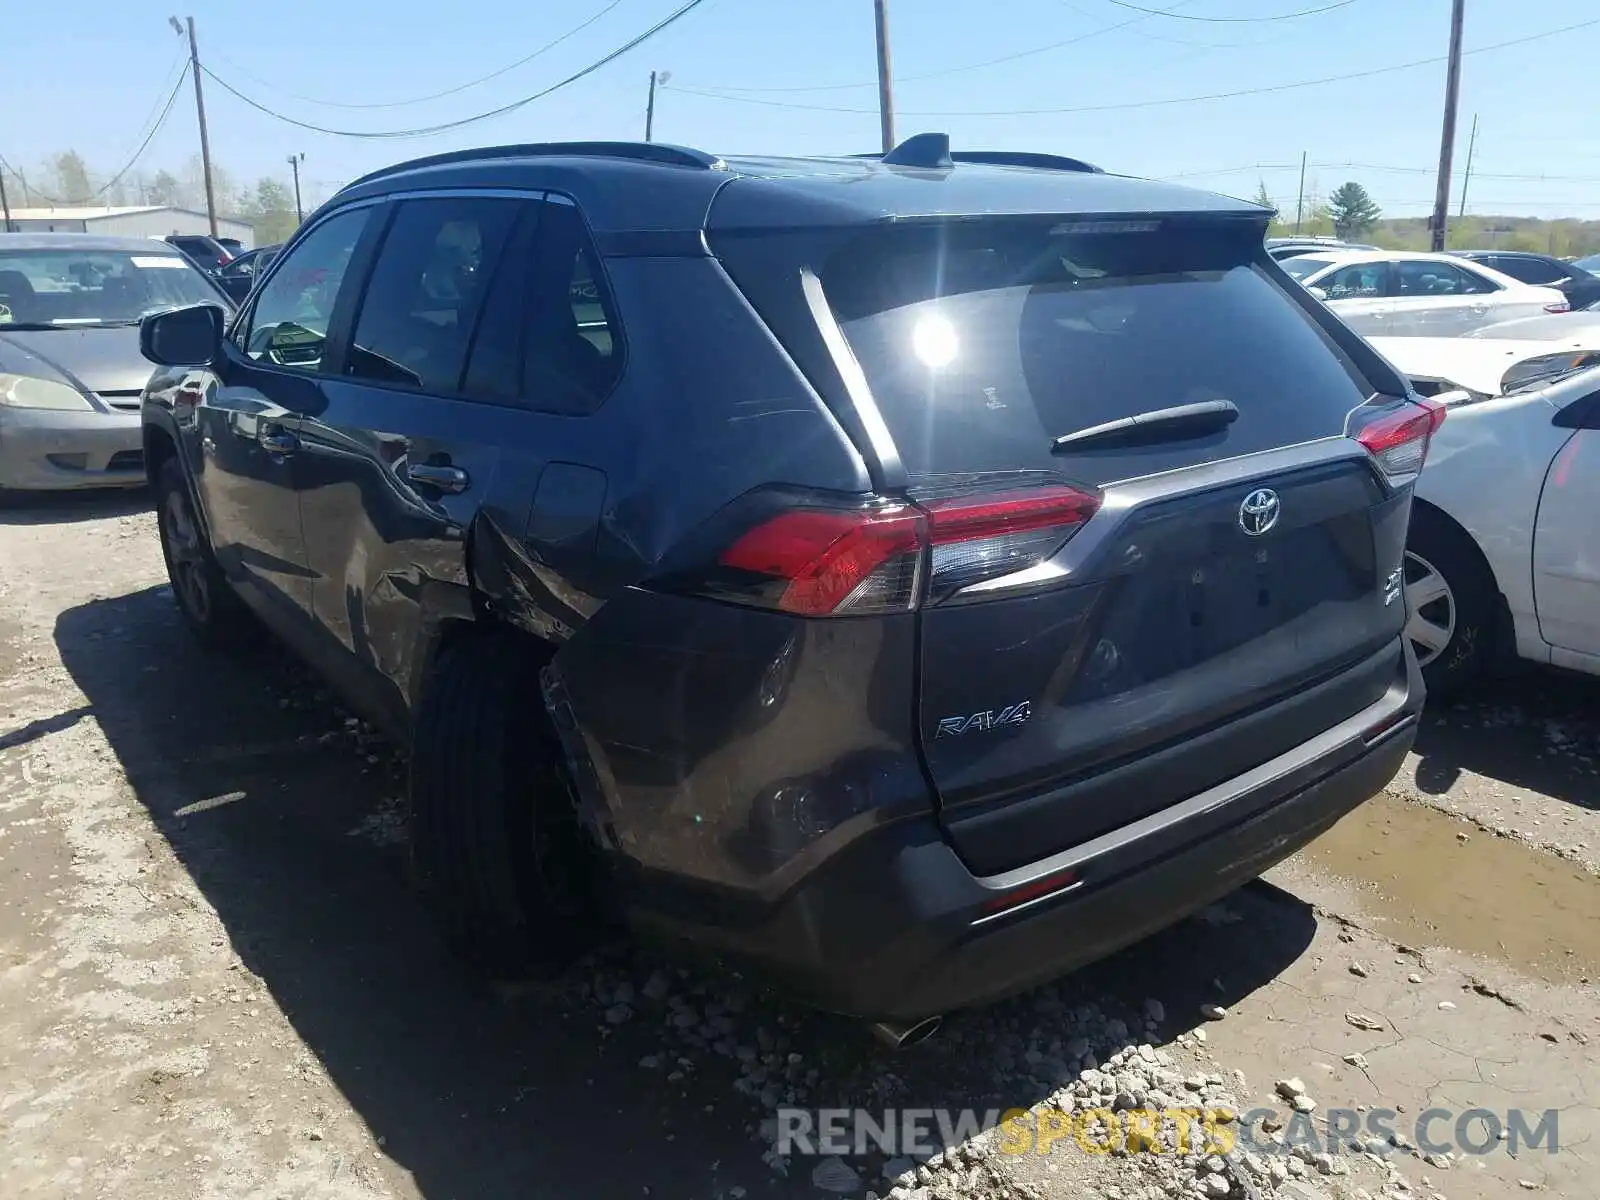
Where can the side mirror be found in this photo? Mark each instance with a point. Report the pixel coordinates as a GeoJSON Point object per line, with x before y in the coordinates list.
{"type": "Point", "coordinates": [183, 337]}
{"type": "Point", "coordinates": [1319, 293]}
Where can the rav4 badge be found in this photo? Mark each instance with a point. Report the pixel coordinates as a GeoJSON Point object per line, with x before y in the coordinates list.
{"type": "Point", "coordinates": [1011, 715]}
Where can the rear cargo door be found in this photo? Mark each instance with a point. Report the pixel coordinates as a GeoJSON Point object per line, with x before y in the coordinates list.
{"type": "Point", "coordinates": [1231, 592]}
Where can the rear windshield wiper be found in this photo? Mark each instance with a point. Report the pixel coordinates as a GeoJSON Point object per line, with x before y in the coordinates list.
{"type": "Point", "coordinates": [1158, 425]}
{"type": "Point", "coordinates": [31, 326]}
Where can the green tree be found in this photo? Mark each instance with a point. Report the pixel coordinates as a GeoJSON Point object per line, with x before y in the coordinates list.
{"type": "Point", "coordinates": [1264, 198]}
{"type": "Point", "coordinates": [222, 187]}
{"type": "Point", "coordinates": [1352, 211]}
{"type": "Point", "coordinates": [270, 208]}
{"type": "Point", "coordinates": [1313, 213]}
{"type": "Point", "coordinates": [69, 178]}
{"type": "Point", "coordinates": [165, 190]}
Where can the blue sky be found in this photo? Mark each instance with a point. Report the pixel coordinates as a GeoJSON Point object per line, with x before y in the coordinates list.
{"type": "Point", "coordinates": [88, 83]}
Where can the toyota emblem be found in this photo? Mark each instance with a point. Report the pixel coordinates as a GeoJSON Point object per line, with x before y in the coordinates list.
{"type": "Point", "coordinates": [1259, 512]}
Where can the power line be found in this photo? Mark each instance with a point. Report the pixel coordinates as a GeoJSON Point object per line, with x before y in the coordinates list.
{"type": "Point", "coordinates": [471, 83]}
{"type": "Point", "coordinates": [1137, 104]}
{"type": "Point", "coordinates": [943, 71]}
{"type": "Point", "coordinates": [1176, 41]}
{"type": "Point", "coordinates": [166, 111]}
{"type": "Point", "coordinates": [1307, 12]}
{"type": "Point", "coordinates": [1520, 177]}
{"type": "Point", "coordinates": [681, 11]}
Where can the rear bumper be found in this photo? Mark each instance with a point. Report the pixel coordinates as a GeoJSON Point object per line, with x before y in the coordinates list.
{"type": "Point", "coordinates": [45, 450]}
{"type": "Point", "coordinates": [895, 927]}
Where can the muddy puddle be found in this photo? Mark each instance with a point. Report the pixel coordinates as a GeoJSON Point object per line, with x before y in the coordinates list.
{"type": "Point", "coordinates": [1486, 895]}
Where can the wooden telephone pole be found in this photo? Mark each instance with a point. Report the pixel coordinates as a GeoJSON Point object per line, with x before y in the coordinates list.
{"type": "Point", "coordinates": [1440, 221]}
{"type": "Point", "coordinates": [885, 79]}
{"type": "Point", "coordinates": [200, 111]}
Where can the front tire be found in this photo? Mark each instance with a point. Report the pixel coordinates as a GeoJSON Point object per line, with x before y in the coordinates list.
{"type": "Point", "coordinates": [494, 835]}
{"type": "Point", "coordinates": [1450, 603]}
{"type": "Point", "coordinates": [208, 603]}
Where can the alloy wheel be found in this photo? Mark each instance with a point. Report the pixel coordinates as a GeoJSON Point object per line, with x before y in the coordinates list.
{"type": "Point", "coordinates": [186, 563]}
{"type": "Point", "coordinates": [1430, 609]}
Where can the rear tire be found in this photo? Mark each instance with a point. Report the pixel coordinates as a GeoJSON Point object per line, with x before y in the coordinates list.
{"type": "Point", "coordinates": [1450, 603]}
{"type": "Point", "coordinates": [495, 840]}
{"type": "Point", "coordinates": [205, 598]}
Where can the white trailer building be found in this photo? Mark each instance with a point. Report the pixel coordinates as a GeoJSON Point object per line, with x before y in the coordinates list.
{"type": "Point", "coordinates": [143, 220]}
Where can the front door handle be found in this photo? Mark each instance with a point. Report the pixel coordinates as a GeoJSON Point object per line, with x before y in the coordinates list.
{"type": "Point", "coordinates": [441, 476]}
{"type": "Point", "coordinates": [275, 439]}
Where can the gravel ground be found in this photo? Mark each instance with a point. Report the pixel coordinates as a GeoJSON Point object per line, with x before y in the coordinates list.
{"type": "Point", "coordinates": [214, 980]}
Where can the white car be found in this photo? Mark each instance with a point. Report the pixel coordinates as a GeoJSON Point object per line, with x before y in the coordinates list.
{"type": "Point", "coordinates": [1504, 552]}
{"type": "Point", "coordinates": [1488, 366]}
{"type": "Point", "coordinates": [1391, 292]}
{"type": "Point", "coordinates": [1585, 323]}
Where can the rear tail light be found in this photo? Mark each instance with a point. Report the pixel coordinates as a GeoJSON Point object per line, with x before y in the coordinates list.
{"type": "Point", "coordinates": [819, 562]}
{"type": "Point", "coordinates": [1398, 439]}
{"type": "Point", "coordinates": [816, 561]}
{"type": "Point", "coordinates": [1560, 306]}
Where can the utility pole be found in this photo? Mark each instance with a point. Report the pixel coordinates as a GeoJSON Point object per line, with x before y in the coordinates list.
{"type": "Point", "coordinates": [885, 80]}
{"type": "Point", "coordinates": [294, 164]}
{"type": "Point", "coordinates": [657, 79]}
{"type": "Point", "coordinates": [5, 204]}
{"type": "Point", "coordinates": [1447, 141]}
{"type": "Point", "coordinates": [1300, 200]}
{"type": "Point", "coordinates": [200, 111]}
{"type": "Point", "coordinates": [1466, 177]}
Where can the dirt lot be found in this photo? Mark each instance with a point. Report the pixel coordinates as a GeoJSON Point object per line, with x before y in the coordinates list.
{"type": "Point", "coordinates": [215, 982]}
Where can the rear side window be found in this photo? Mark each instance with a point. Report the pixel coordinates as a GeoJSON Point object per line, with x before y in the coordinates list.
{"type": "Point", "coordinates": [983, 342]}
{"type": "Point", "coordinates": [573, 357]}
{"type": "Point", "coordinates": [426, 290]}
{"type": "Point", "coordinates": [1420, 277]}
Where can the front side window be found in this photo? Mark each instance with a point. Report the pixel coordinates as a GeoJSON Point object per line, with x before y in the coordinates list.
{"type": "Point", "coordinates": [1420, 277]}
{"type": "Point", "coordinates": [63, 289]}
{"type": "Point", "coordinates": [1362, 281]}
{"type": "Point", "coordinates": [289, 324]}
{"type": "Point", "coordinates": [427, 289]}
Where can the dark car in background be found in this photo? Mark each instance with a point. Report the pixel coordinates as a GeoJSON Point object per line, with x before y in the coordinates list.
{"type": "Point", "coordinates": [239, 276]}
{"type": "Point", "coordinates": [70, 369]}
{"type": "Point", "coordinates": [899, 576]}
{"type": "Point", "coordinates": [207, 253]}
{"type": "Point", "coordinates": [1581, 287]}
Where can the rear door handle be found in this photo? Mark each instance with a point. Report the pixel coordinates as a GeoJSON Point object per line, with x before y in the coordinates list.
{"type": "Point", "coordinates": [275, 439]}
{"type": "Point", "coordinates": [441, 476]}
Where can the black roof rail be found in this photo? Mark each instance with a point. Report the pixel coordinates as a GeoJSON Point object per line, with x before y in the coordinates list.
{"type": "Point", "coordinates": [933, 150]}
{"type": "Point", "coordinates": [662, 153]}
{"type": "Point", "coordinates": [1026, 158]}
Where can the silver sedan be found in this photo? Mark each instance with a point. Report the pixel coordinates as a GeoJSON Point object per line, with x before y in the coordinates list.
{"type": "Point", "coordinates": [70, 369]}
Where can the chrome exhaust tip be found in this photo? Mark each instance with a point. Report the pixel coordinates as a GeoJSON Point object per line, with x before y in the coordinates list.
{"type": "Point", "coordinates": [899, 1037]}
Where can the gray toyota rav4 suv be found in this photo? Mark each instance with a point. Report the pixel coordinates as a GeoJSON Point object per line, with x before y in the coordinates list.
{"type": "Point", "coordinates": [903, 577]}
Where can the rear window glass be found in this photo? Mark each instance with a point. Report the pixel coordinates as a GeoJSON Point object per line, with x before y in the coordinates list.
{"type": "Point", "coordinates": [1303, 266]}
{"type": "Point", "coordinates": [984, 342]}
